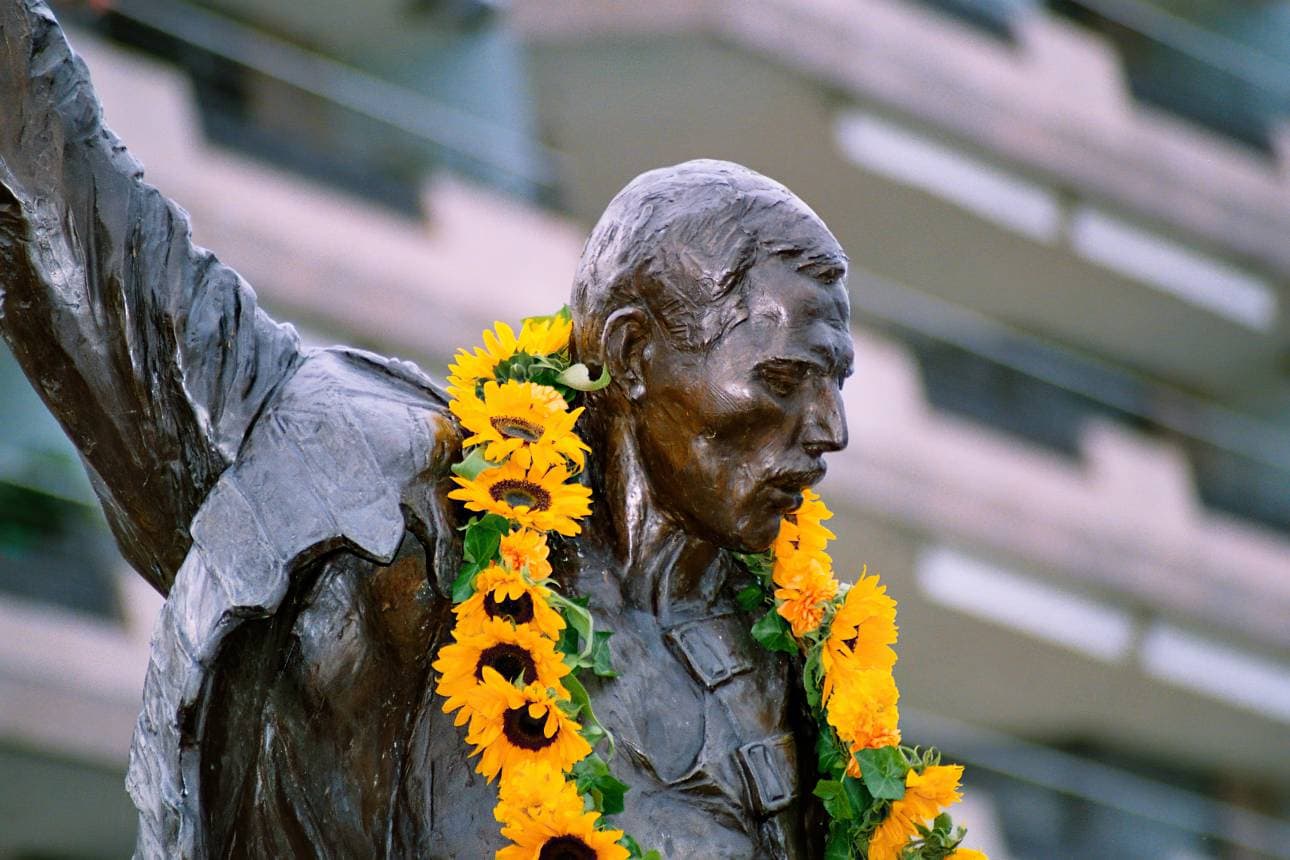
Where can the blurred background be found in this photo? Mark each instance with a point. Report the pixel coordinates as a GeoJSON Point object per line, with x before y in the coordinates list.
{"type": "Point", "coordinates": [1070, 421]}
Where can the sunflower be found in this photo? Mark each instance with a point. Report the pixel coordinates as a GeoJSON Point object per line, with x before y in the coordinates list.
{"type": "Point", "coordinates": [863, 710]}
{"type": "Point", "coordinates": [566, 834]}
{"type": "Point", "coordinates": [511, 726]}
{"type": "Point", "coordinates": [515, 415]}
{"type": "Point", "coordinates": [926, 794]}
{"type": "Point", "coordinates": [806, 585]}
{"type": "Point", "coordinates": [526, 551]}
{"type": "Point", "coordinates": [469, 369]}
{"type": "Point", "coordinates": [967, 854]}
{"type": "Point", "coordinates": [534, 495]}
{"type": "Point", "coordinates": [800, 531]}
{"type": "Point", "coordinates": [545, 335]}
{"type": "Point", "coordinates": [516, 653]}
{"type": "Point", "coordinates": [535, 790]}
{"type": "Point", "coordinates": [503, 593]}
{"type": "Point", "coordinates": [862, 633]}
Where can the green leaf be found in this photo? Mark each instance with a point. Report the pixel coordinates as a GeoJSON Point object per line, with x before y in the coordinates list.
{"type": "Point", "coordinates": [813, 676]}
{"type": "Point", "coordinates": [579, 377]}
{"type": "Point", "coordinates": [830, 756]}
{"type": "Point", "coordinates": [579, 619]}
{"type": "Point", "coordinates": [592, 777]}
{"type": "Point", "coordinates": [601, 658]}
{"type": "Point", "coordinates": [883, 771]}
{"type": "Point", "coordinates": [591, 726]}
{"type": "Point", "coordinates": [463, 587]}
{"type": "Point", "coordinates": [750, 598]}
{"type": "Point", "coordinates": [841, 844]}
{"type": "Point", "coordinates": [836, 801]}
{"type": "Point", "coordinates": [483, 539]}
{"type": "Point", "coordinates": [474, 463]}
{"type": "Point", "coordinates": [774, 634]}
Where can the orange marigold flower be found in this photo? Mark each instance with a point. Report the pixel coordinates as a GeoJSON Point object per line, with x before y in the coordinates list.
{"type": "Point", "coordinates": [863, 710]}
{"type": "Point", "coordinates": [806, 585]}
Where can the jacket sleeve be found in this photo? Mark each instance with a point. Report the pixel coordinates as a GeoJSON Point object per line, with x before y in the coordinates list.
{"type": "Point", "coordinates": [150, 352]}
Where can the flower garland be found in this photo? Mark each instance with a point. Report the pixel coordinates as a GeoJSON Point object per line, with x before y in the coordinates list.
{"type": "Point", "coordinates": [519, 645]}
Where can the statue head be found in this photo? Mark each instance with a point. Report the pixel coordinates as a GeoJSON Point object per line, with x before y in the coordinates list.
{"type": "Point", "coordinates": [717, 300]}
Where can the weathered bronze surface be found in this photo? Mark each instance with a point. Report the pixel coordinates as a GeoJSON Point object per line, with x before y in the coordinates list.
{"type": "Point", "coordinates": [291, 502]}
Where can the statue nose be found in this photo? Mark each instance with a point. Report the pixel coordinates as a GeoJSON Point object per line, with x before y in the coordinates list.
{"type": "Point", "coordinates": [825, 429]}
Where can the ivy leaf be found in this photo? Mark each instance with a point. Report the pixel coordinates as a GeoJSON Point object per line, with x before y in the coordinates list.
{"type": "Point", "coordinates": [841, 844]}
{"type": "Point", "coordinates": [749, 598]}
{"type": "Point", "coordinates": [774, 634]}
{"type": "Point", "coordinates": [592, 777]}
{"type": "Point", "coordinates": [592, 729]}
{"type": "Point", "coordinates": [579, 377]}
{"type": "Point", "coordinates": [474, 463]}
{"type": "Point", "coordinates": [601, 659]}
{"type": "Point", "coordinates": [836, 801]}
{"type": "Point", "coordinates": [830, 757]}
{"type": "Point", "coordinates": [463, 587]}
{"type": "Point", "coordinates": [579, 619]}
{"type": "Point", "coordinates": [813, 676]}
{"type": "Point", "coordinates": [883, 771]}
{"type": "Point", "coordinates": [483, 538]}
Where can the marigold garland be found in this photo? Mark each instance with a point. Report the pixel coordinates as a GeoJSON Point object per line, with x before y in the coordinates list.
{"type": "Point", "coordinates": [511, 670]}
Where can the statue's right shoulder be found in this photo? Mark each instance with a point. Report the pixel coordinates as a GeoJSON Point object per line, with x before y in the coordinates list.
{"type": "Point", "coordinates": [365, 443]}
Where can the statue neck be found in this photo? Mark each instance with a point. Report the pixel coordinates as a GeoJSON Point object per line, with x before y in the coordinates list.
{"type": "Point", "coordinates": [662, 568]}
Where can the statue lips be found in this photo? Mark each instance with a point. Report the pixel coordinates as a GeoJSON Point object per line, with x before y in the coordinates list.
{"type": "Point", "coordinates": [786, 487]}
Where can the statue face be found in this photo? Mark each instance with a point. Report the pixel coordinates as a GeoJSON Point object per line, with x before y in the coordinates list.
{"type": "Point", "coordinates": [730, 436]}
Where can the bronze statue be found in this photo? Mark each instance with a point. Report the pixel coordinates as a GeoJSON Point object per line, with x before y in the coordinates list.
{"type": "Point", "coordinates": [292, 503]}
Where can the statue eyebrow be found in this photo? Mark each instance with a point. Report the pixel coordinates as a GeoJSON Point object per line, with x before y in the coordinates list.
{"type": "Point", "coordinates": [826, 364]}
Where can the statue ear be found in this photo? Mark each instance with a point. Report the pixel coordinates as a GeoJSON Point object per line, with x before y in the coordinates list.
{"type": "Point", "coordinates": [623, 345]}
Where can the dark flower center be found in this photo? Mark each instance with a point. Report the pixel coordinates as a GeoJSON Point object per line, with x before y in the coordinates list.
{"type": "Point", "coordinates": [518, 609]}
{"type": "Point", "coordinates": [510, 661]}
{"type": "Point", "coordinates": [516, 493]}
{"type": "Point", "coordinates": [566, 848]}
{"type": "Point", "coordinates": [516, 428]}
{"type": "Point", "coordinates": [525, 731]}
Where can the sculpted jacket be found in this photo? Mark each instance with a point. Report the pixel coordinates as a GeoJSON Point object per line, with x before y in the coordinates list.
{"type": "Point", "coordinates": [291, 505]}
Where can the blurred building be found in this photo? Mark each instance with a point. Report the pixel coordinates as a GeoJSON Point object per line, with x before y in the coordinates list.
{"type": "Point", "coordinates": [1070, 420]}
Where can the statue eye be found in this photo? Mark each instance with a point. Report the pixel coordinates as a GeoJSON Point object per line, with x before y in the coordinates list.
{"type": "Point", "coordinates": [782, 382]}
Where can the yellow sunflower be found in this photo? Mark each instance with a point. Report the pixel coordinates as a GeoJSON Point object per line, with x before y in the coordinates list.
{"type": "Point", "coordinates": [516, 653]}
{"type": "Point", "coordinates": [526, 550]}
{"type": "Point", "coordinates": [967, 854]}
{"type": "Point", "coordinates": [926, 794]}
{"type": "Point", "coordinates": [863, 710]}
{"type": "Point", "coordinates": [806, 585]}
{"type": "Point", "coordinates": [801, 530]}
{"type": "Point", "coordinates": [503, 593]}
{"type": "Point", "coordinates": [511, 726]}
{"type": "Point", "coordinates": [515, 415]}
{"type": "Point", "coordinates": [862, 633]}
{"type": "Point", "coordinates": [532, 494]}
{"type": "Point", "coordinates": [545, 335]}
{"type": "Point", "coordinates": [468, 369]}
{"type": "Point", "coordinates": [567, 833]}
{"type": "Point", "coordinates": [534, 790]}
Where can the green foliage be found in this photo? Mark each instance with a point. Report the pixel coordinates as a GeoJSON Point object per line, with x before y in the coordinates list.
{"type": "Point", "coordinates": [474, 463]}
{"type": "Point", "coordinates": [813, 676]}
{"type": "Point", "coordinates": [883, 771]}
{"type": "Point", "coordinates": [635, 852]}
{"type": "Point", "coordinates": [774, 634]}
{"type": "Point", "coordinates": [479, 550]}
{"type": "Point", "coordinates": [593, 779]}
{"type": "Point", "coordinates": [750, 598]}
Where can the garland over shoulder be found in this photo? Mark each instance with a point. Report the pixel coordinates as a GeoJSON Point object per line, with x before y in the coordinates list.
{"type": "Point", "coordinates": [519, 645]}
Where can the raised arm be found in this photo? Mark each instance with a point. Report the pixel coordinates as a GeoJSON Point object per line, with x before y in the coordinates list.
{"type": "Point", "coordinates": [151, 353]}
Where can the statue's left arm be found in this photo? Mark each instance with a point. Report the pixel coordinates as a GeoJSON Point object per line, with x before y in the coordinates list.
{"type": "Point", "coordinates": [151, 353]}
